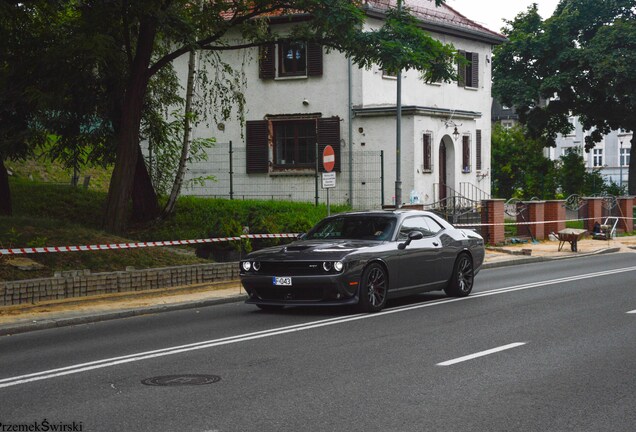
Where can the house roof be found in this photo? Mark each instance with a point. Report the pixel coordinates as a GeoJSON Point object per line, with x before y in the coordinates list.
{"type": "Point", "coordinates": [442, 19]}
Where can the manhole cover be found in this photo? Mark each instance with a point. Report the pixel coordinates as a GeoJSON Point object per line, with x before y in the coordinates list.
{"type": "Point", "coordinates": [181, 380]}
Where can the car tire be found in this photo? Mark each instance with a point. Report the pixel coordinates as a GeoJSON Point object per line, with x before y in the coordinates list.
{"type": "Point", "coordinates": [461, 281]}
{"type": "Point", "coordinates": [269, 308]}
{"type": "Point", "coordinates": [374, 287]}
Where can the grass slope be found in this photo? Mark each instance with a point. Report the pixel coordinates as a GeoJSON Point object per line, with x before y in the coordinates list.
{"type": "Point", "coordinates": [61, 215]}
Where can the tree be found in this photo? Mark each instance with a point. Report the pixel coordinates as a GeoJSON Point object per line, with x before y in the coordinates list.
{"type": "Point", "coordinates": [158, 32]}
{"type": "Point", "coordinates": [578, 62]}
{"type": "Point", "coordinates": [519, 168]}
{"type": "Point", "coordinates": [108, 69]}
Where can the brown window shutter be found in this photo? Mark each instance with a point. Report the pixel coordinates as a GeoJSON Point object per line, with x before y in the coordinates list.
{"type": "Point", "coordinates": [314, 59]}
{"type": "Point", "coordinates": [475, 66]}
{"type": "Point", "coordinates": [426, 164]}
{"type": "Point", "coordinates": [465, 154]}
{"type": "Point", "coordinates": [461, 71]}
{"type": "Point", "coordinates": [257, 146]}
{"type": "Point", "coordinates": [329, 134]}
{"type": "Point", "coordinates": [267, 62]}
{"type": "Point", "coordinates": [478, 150]}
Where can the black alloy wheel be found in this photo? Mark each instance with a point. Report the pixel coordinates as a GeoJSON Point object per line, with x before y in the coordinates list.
{"type": "Point", "coordinates": [373, 288]}
{"type": "Point", "coordinates": [461, 282]}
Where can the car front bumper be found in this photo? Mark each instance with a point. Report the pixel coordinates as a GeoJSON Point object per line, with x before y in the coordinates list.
{"type": "Point", "coordinates": [306, 290]}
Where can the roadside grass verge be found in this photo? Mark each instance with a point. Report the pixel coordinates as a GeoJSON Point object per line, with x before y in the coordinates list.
{"type": "Point", "coordinates": [62, 215]}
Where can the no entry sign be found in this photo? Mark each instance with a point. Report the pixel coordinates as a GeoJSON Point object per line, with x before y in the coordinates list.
{"type": "Point", "coordinates": [328, 158]}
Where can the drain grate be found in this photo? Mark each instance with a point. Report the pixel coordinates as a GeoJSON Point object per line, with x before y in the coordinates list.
{"type": "Point", "coordinates": [181, 380]}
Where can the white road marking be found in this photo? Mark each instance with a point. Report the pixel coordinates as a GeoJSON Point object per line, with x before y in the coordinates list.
{"type": "Point", "coordinates": [99, 364]}
{"type": "Point", "coordinates": [632, 312]}
{"type": "Point", "coordinates": [481, 354]}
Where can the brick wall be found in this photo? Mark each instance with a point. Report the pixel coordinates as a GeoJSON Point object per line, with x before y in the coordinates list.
{"type": "Point", "coordinates": [83, 283]}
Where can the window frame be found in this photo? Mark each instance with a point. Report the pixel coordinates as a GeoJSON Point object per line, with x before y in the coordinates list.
{"type": "Point", "coordinates": [427, 150]}
{"type": "Point", "coordinates": [282, 48]}
{"type": "Point", "coordinates": [597, 157]}
{"type": "Point", "coordinates": [466, 165]}
{"type": "Point", "coordinates": [312, 124]}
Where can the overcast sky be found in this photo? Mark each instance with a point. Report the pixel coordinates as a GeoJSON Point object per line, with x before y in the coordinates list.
{"type": "Point", "coordinates": [490, 13]}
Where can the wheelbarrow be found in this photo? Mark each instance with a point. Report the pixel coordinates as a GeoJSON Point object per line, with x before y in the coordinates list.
{"type": "Point", "coordinates": [572, 236]}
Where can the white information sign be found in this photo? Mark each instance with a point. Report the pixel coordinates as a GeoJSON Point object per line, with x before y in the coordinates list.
{"type": "Point", "coordinates": [328, 180]}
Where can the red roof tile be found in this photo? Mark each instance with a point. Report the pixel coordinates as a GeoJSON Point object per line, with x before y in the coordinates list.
{"type": "Point", "coordinates": [426, 11]}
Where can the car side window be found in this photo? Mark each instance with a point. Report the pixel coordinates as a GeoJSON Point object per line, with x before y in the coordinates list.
{"type": "Point", "coordinates": [424, 224]}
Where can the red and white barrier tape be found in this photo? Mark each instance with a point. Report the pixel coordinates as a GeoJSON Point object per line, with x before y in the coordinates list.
{"type": "Point", "coordinates": [529, 223]}
{"type": "Point", "coordinates": [117, 246]}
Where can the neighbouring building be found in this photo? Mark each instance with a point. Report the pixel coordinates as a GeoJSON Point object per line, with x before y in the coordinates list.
{"type": "Point", "coordinates": [610, 156]}
{"type": "Point", "coordinates": [299, 99]}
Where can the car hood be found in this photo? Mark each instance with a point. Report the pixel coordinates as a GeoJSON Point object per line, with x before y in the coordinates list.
{"type": "Point", "coordinates": [313, 249]}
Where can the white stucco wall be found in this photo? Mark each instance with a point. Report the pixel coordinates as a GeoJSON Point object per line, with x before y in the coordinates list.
{"type": "Point", "coordinates": [328, 95]}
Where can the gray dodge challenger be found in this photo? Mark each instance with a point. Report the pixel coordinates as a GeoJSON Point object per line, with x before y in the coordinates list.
{"type": "Point", "coordinates": [364, 259]}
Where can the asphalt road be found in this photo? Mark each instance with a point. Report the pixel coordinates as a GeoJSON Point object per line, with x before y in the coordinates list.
{"type": "Point", "coordinates": [536, 347]}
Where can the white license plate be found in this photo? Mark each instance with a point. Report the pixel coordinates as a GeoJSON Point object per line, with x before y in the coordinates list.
{"type": "Point", "coordinates": [282, 281]}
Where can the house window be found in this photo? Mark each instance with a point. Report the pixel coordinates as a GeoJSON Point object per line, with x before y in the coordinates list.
{"type": "Point", "coordinates": [427, 160]}
{"type": "Point", "coordinates": [507, 124]}
{"type": "Point", "coordinates": [290, 59]}
{"type": "Point", "coordinates": [295, 143]}
{"type": "Point", "coordinates": [468, 74]}
{"type": "Point", "coordinates": [478, 150]}
{"type": "Point", "coordinates": [465, 154]}
{"type": "Point", "coordinates": [597, 157]}
{"type": "Point", "coordinates": [389, 73]}
{"type": "Point", "coordinates": [624, 157]}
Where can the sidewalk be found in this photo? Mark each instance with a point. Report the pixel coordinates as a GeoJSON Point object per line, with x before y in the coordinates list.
{"type": "Point", "coordinates": [23, 318]}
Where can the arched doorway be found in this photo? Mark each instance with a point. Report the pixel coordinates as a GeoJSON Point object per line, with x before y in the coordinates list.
{"type": "Point", "coordinates": [446, 178]}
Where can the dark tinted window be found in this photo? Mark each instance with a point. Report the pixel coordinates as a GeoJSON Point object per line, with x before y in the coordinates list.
{"type": "Point", "coordinates": [426, 225]}
{"type": "Point", "coordinates": [354, 228]}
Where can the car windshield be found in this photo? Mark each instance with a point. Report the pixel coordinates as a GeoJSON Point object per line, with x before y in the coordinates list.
{"type": "Point", "coordinates": [354, 228]}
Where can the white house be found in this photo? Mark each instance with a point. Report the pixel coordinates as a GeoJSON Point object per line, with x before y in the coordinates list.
{"type": "Point", "coordinates": [610, 156]}
{"type": "Point", "coordinates": [300, 99]}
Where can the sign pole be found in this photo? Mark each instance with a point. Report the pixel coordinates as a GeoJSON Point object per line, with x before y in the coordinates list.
{"type": "Point", "coordinates": [328, 177]}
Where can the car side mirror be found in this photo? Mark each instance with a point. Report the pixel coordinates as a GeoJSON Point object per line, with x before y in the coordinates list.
{"type": "Point", "coordinates": [413, 235]}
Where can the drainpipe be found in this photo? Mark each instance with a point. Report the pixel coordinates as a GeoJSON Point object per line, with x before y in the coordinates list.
{"type": "Point", "coordinates": [398, 139]}
{"type": "Point", "coordinates": [349, 71]}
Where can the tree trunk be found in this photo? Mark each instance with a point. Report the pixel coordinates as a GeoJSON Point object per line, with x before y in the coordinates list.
{"type": "Point", "coordinates": [144, 198]}
{"type": "Point", "coordinates": [631, 176]}
{"type": "Point", "coordinates": [121, 182]}
{"type": "Point", "coordinates": [187, 135]}
{"type": "Point", "coordinates": [5, 192]}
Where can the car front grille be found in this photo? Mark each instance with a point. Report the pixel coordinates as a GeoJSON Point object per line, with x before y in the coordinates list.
{"type": "Point", "coordinates": [292, 268]}
{"type": "Point", "coordinates": [290, 294]}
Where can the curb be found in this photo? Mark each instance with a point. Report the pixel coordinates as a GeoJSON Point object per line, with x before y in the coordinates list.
{"type": "Point", "coordinates": [524, 259]}
{"type": "Point", "coordinates": [24, 327]}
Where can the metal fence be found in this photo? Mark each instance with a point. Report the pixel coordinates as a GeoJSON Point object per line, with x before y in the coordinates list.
{"type": "Point", "coordinates": [224, 175]}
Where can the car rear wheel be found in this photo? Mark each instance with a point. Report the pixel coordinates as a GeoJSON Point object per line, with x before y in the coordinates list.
{"type": "Point", "coordinates": [373, 288]}
{"type": "Point", "coordinates": [461, 282]}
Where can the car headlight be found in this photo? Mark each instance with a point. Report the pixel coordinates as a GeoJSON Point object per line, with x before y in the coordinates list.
{"type": "Point", "coordinates": [327, 266]}
{"type": "Point", "coordinates": [256, 265]}
{"type": "Point", "coordinates": [247, 265]}
{"type": "Point", "coordinates": [338, 266]}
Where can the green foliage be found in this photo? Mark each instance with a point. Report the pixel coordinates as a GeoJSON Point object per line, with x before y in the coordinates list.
{"type": "Point", "coordinates": [578, 62]}
{"type": "Point", "coordinates": [572, 174]}
{"type": "Point", "coordinates": [71, 216]}
{"type": "Point", "coordinates": [165, 141]}
{"type": "Point", "coordinates": [519, 168]}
